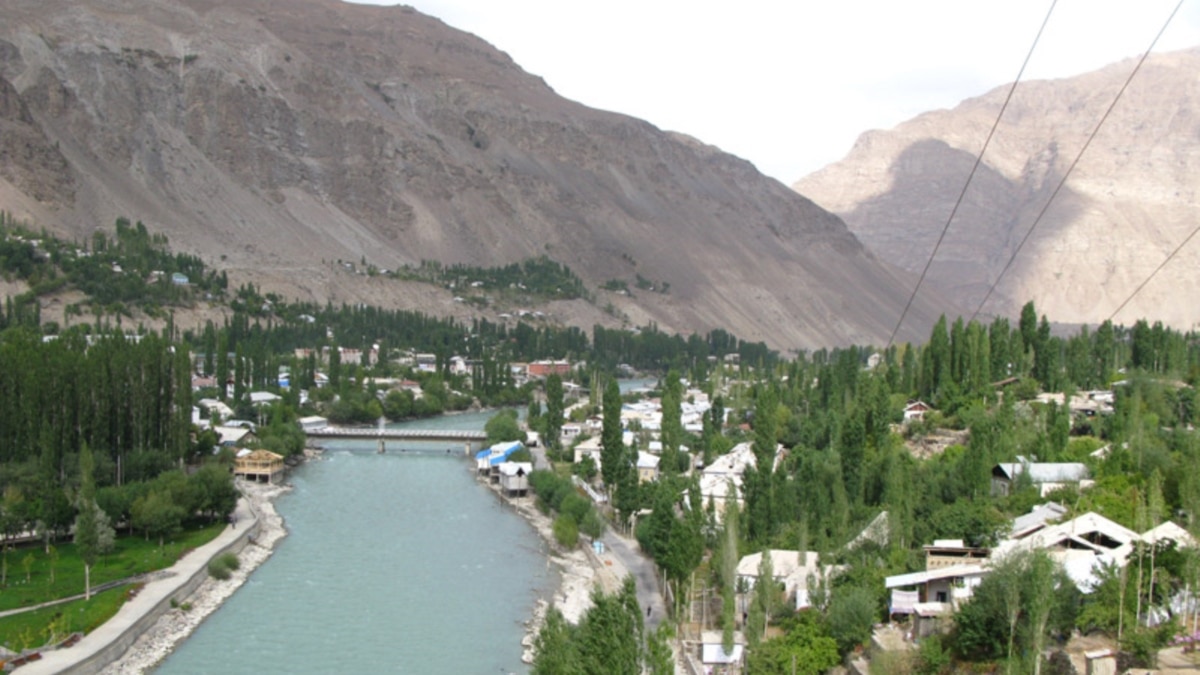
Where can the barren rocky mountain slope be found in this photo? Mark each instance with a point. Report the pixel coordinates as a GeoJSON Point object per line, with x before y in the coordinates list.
{"type": "Point", "coordinates": [273, 137]}
{"type": "Point", "coordinates": [1131, 200]}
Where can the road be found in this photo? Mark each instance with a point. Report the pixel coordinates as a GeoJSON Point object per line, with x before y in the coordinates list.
{"type": "Point", "coordinates": [649, 592]}
{"type": "Point", "coordinates": [627, 551]}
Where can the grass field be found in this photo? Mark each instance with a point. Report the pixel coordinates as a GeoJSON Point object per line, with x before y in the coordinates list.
{"type": "Point", "coordinates": [32, 576]}
{"type": "Point", "coordinates": [51, 625]}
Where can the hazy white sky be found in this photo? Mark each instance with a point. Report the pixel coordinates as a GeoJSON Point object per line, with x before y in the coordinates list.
{"type": "Point", "coordinates": [789, 85]}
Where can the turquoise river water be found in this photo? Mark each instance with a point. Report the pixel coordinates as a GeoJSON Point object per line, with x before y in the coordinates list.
{"type": "Point", "coordinates": [394, 563]}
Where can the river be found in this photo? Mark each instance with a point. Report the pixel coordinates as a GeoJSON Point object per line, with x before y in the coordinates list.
{"type": "Point", "coordinates": [396, 562]}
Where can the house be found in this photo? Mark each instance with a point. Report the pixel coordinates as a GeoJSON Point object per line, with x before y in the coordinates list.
{"type": "Point", "coordinates": [489, 459]}
{"type": "Point", "coordinates": [260, 466]}
{"type": "Point", "coordinates": [589, 447]}
{"type": "Point", "coordinates": [547, 368]}
{"type": "Point", "coordinates": [261, 398]}
{"type": "Point", "coordinates": [1038, 517]}
{"type": "Point", "coordinates": [232, 437]}
{"type": "Point", "coordinates": [203, 382]}
{"type": "Point", "coordinates": [179, 279]}
{"type": "Point", "coordinates": [712, 651]}
{"type": "Point", "coordinates": [1045, 476]}
{"type": "Point", "coordinates": [222, 411]}
{"type": "Point", "coordinates": [1078, 545]}
{"type": "Point", "coordinates": [459, 365]}
{"type": "Point", "coordinates": [313, 423]}
{"type": "Point", "coordinates": [953, 584]}
{"type": "Point", "coordinates": [796, 571]}
{"type": "Point", "coordinates": [721, 481]}
{"type": "Point", "coordinates": [647, 466]}
{"type": "Point", "coordinates": [951, 552]}
{"type": "Point", "coordinates": [930, 618]}
{"type": "Point", "coordinates": [915, 411]}
{"type": "Point", "coordinates": [569, 432]}
{"type": "Point", "coordinates": [514, 478]}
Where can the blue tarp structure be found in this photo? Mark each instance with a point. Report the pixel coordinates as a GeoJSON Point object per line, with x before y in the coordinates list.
{"type": "Point", "coordinates": [502, 451]}
{"type": "Point", "coordinates": [498, 453]}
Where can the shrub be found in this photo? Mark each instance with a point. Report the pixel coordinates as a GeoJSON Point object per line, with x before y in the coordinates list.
{"type": "Point", "coordinates": [222, 566]}
{"type": "Point", "coordinates": [218, 571]}
{"type": "Point", "coordinates": [566, 531]}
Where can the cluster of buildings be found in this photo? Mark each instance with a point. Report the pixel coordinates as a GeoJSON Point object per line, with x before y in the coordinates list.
{"type": "Point", "coordinates": [641, 424]}
{"type": "Point", "coordinates": [1084, 546]}
{"type": "Point", "coordinates": [496, 464]}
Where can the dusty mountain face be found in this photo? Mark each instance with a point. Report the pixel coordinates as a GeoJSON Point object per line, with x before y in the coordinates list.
{"type": "Point", "coordinates": [274, 137]}
{"type": "Point", "coordinates": [1131, 200]}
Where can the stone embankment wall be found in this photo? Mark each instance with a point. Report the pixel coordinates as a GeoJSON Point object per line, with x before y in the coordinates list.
{"type": "Point", "coordinates": [111, 652]}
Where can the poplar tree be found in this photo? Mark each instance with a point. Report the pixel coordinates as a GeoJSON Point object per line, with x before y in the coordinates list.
{"type": "Point", "coordinates": [93, 534]}
{"type": "Point", "coordinates": [613, 460]}
{"type": "Point", "coordinates": [672, 424]}
{"type": "Point", "coordinates": [554, 410]}
{"type": "Point", "coordinates": [729, 562]}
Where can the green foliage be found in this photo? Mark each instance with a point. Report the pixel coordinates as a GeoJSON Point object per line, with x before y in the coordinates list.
{"type": "Point", "coordinates": [540, 277]}
{"type": "Point", "coordinates": [805, 648]}
{"type": "Point", "coordinates": [158, 515]}
{"type": "Point", "coordinates": [60, 573]}
{"type": "Point", "coordinates": [223, 566]}
{"type": "Point", "coordinates": [853, 612]}
{"type": "Point", "coordinates": [1023, 598]}
{"type": "Point", "coordinates": [566, 531]}
{"type": "Point", "coordinates": [132, 268]}
{"type": "Point", "coordinates": [608, 640]}
{"type": "Point", "coordinates": [503, 427]}
{"type": "Point", "coordinates": [50, 625]}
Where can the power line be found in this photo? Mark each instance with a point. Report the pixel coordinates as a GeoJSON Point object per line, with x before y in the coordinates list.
{"type": "Point", "coordinates": [970, 176]}
{"type": "Point", "coordinates": [1078, 156]}
{"type": "Point", "coordinates": [1152, 274]}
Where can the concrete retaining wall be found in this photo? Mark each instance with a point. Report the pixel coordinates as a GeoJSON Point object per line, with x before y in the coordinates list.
{"type": "Point", "coordinates": [111, 652]}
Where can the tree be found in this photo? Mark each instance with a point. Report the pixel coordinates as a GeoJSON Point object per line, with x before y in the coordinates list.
{"type": "Point", "coordinates": [87, 532]}
{"type": "Point", "coordinates": [729, 562]}
{"type": "Point", "coordinates": [1024, 598]}
{"type": "Point", "coordinates": [672, 424]}
{"type": "Point", "coordinates": [804, 649]}
{"type": "Point", "coordinates": [158, 515]}
{"type": "Point", "coordinates": [659, 659]}
{"type": "Point", "coordinates": [613, 460]}
{"type": "Point", "coordinates": [852, 613]}
{"type": "Point", "coordinates": [554, 411]}
{"type": "Point", "coordinates": [216, 495]}
{"type": "Point", "coordinates": [609, 637]}
{"type": "Point", "coordinates": [555, 651]}
{"type": "Point", "coordinates": [503, 427]}
{"type": "Point", "coordinates": [763, 602]}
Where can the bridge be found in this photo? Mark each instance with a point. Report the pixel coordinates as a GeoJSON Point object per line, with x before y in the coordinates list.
{"type": "Point", "coordinates": [473, 440]}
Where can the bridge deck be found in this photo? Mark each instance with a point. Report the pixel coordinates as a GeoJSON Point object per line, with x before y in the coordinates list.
{"type": "Point", "coordinates": [399, 434]}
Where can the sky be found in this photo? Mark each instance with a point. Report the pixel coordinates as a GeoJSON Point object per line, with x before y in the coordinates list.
{"type": "Point", "coordinates": [790, 84]}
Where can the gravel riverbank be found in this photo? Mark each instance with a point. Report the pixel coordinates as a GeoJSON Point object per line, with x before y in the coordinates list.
{"type": "Point", "coordinates": [171, 628]}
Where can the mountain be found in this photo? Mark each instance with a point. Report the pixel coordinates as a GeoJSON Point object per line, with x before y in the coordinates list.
{"type": "Point", "coordinates": [1131, 200]}
{"type": "Point", "coordinates": [276, 138]}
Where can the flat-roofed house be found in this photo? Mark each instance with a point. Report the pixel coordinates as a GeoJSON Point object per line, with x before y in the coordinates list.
{"type": "Point", "coordinates": [1045, 476]}
{"type": "Point", "coordinates": [514, 478]}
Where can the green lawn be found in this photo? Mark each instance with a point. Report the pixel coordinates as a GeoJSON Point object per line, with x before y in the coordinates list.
{"type": "Point", "coordinates": [50, 578]}
{"type": "Point", "coordinates": [52, 624]}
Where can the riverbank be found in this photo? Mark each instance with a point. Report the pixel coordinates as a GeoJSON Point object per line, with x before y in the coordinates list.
{"type": "Point", "coordinates": [157, 642]}
{"type": "Point", "coordinates": [580, 571]}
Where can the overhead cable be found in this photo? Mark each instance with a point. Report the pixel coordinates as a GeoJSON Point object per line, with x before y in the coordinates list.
{"type": "Point", "coordinates": [970, 176]}
{"type": "Point", "coordinates": [1074, 163]}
